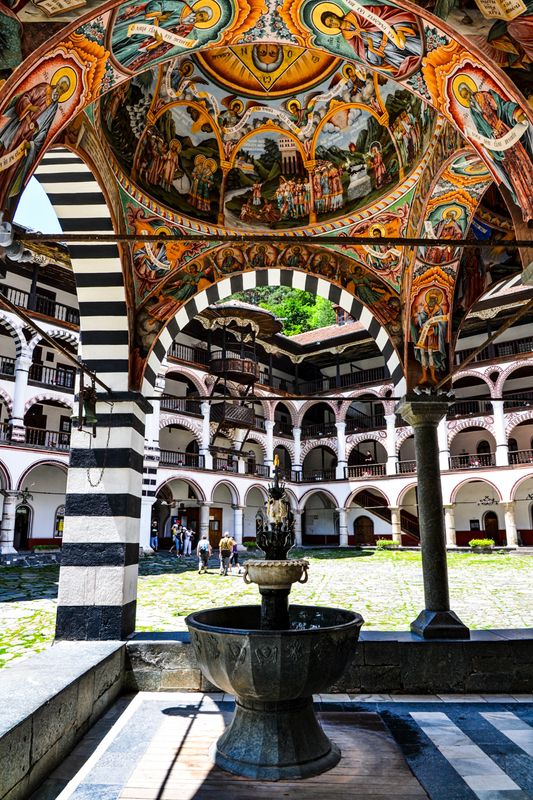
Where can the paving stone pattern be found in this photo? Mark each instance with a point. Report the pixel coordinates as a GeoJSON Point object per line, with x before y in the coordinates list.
{"type": "Point", "coordinates": [488, 591]}
{"type": "Point", "coordinates": [156, 747]}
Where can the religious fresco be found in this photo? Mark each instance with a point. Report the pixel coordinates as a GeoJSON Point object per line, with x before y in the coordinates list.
{"type": "Point", "coordinates": [46, 100]}
{"type": "Point", "coordinates": [501, 29]}
{"type": "Point", "coordinates": [10, 43]}
{"type": "Point", "coordinates": [299, 116]}
{"type": "Point", "coordinates": [145, 33]}
{"type": "Point", "coordinates": [447, 217]}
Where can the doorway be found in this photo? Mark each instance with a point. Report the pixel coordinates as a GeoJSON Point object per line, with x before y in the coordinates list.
{"type": "Point", "coordinates": [491, 526]}
{"type": "Point", "coordinates": [215, 526]}
{"type": "Point", "coordinates": [363, 529]}
{"type": "Point", "coordinates": [22, 527]}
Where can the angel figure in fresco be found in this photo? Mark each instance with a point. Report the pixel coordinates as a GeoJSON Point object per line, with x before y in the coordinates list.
{"type": "Point", "coordinates": [385, 37]}
{"type": "Point", "coordinates": [30, 116]}
{"type": "Point", "coordinates": [447, 228]}
{"type": "Point", "coordinates": [493, 118]}
{"type": "Point", "coordinates": [134, 49]}
{"type": "Point", "coordinates": [429, 326]}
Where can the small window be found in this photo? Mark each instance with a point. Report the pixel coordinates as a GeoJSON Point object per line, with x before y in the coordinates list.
{"type": "Point", "coordinates": [59, 522]}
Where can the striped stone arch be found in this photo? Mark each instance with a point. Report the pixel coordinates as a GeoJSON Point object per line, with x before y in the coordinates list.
{"type": "Point", "coordinates": [257, 438]}
{"type": "Point", "coordinates": [287, 444]}
{"type": "Point", "coordinates": [7, 400]}
{"type": "Point", "coordinates": [312, 444]}
{"type": "Point", "coordinates": [506, 373]}
{"type": "Point", "coordinates": [182, 422]}
{"type": "Point", "coordinates": [46, 397]}
{"type": "Point", "coordinates": [402, 435]}
{"type": "Point", "coordinates": [69, 337]}
{"type": "Point", "coordinates": [16, 331]}
{"type": "Point", "coordinates": [310, 403]}
{"type": "Point", "coordinates": [471, 479]}
{"type": "Point", "coordinates": [275, 277]}
{"type": "Point", "coordinates": [472, 373]}
{"type": "Point", "coordinates": [187, 373]}
{"type": "Point", "coordinates": [289, 405]}
{"type": "Point", "coordinates": [514, 419]}
{"type": "Point", "coordinates": [375, 391]}
{"type": "Point", "coordinates": [81, 207]}
{"type": "Point", "coordinates": [235, 494]}
{"type": "Point", "coordinates": [486, 423]}
{"type": "Point", "coordinates": [367, 436]}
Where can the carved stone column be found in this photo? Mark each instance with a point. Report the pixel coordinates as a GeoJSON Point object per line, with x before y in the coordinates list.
{"type": "Point", "coordinates": [22, 369]}
{"type": "Point", "coordinates": [298, 527]}
{"type": "Point", "coordinates": [436, 621]}
{"type": "Point", "coordinates": [238, 523]}
{"type": "Point", "coordinates": [390, 444]}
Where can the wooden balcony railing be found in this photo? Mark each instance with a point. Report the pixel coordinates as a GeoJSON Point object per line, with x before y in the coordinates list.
{"type": "Point", "coordinates": [319, 430]}
{"type": "Point", "coordinates": [182, 405]}
{"type": "Point", "coordinates": [319, 474]}
{"type": "Point", "coordinates": [51, 440]}
{"type": "Point", "coordinates": [221, 464]}
{"type": "Point", "coordinates": [469, 408]}
{"type": "Point", "coordinates": [406, 467]}
{"type": "Point", "coordinates": [472, 460]}
{"type": "Point", "coordinates": [59, 377]}
{"type": "Point", "coordinates": [521, 457]}
{"type": "Point", "coordinates": [42, 305]}
{"type": "Point", "coordinates": [365, 470]}
{"type": "Point", "coordinates": [283, 428]}
{"type": "Point", "coordinates": [173, 458]}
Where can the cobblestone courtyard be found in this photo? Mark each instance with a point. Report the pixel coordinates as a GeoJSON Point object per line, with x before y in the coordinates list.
{"type": "Point", "coordinates": [488, 591]}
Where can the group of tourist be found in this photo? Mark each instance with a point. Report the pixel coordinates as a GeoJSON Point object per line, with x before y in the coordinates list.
{"type": "Point", "coordinates": [228, 554]}
{"type": "Point", "coordinates": [181, 540]}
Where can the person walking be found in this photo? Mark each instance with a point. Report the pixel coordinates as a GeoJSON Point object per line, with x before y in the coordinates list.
{"type": "Point", "coordinates": [235, 558]}
{"type": "Point", "coordinates": [174, 534]}
{"type": "Point", "coordinates": [203, 551]}
{"type": "Point", "coordinates": [154, 538]}
{"type": "Point", "coordinates": [187, 542]}
{"type": "Point", "coordinates": [225, 550]}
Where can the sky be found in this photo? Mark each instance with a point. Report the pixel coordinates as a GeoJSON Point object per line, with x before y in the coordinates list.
{"type": "Point", "coordinates": [35, 210]}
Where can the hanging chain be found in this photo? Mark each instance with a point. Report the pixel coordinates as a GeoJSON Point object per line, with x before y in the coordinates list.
{"type": "Point", "coordinates": [102, 469]}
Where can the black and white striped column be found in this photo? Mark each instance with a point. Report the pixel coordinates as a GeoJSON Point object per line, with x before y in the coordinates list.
{"type": "Point", "coordinates": [100, 553]}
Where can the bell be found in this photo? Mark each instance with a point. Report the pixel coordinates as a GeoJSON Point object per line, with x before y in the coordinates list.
{"type": "Point", "coordinates": [89, 406]}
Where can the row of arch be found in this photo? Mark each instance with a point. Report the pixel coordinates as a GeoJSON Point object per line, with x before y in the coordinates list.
{"type": "Point", "coordinates": [239, 498]}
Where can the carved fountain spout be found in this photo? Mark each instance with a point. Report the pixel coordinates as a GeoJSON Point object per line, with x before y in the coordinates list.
{"type": "Point", "coordinates": [273, 658]}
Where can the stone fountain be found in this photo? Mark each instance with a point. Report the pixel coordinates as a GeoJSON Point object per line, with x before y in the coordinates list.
{"type": "Point", "coordinates": [273, 658]}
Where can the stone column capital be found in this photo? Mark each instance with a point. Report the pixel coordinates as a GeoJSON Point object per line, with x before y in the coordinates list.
{"type": "Point", "coordinates": [420, 411]}
{"type": "Point", "coordinates": [508, 505]}
{"type": "Point", "coordinates": [237, 507]}
{"type": "Point", "coordinates": [341, 510]}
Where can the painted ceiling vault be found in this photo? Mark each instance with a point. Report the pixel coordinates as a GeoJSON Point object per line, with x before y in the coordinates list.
{"type": "Point", "coordinates": [309, 117]}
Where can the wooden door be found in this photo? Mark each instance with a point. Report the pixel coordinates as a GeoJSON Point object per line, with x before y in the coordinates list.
{"type": "Point", "coordinates": [364, 531]}
{"type": "Point", "coordinates": [215, 526]}
{"type": "Point", "coordinates": [490, 522]}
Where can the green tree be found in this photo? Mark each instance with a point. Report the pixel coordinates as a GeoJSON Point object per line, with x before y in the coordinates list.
{"type": "Point", "coordinates": [299, 311]}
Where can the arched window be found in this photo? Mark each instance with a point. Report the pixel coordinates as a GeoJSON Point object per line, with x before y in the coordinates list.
{"type": "Point", "coordinates": [512, 445]}
{"type": "Point", "coordinates": [483, 448]}
{"type": "Point", "coordinates": [59, 523]}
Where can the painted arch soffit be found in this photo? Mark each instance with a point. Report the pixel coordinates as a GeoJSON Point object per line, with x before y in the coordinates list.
{"type": "Point", "coordinates": [311, 162]}
{"type": "Point", "coordinates": [399, 41]}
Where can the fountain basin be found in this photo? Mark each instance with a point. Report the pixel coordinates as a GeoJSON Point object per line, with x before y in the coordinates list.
{"type": "Point", "coordinates": [276, 574]}
{"type": "Point", "coordinates": [274, 733]}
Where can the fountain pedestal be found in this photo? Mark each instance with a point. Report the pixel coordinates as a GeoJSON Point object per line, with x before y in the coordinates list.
{"type": "Point", "coordinates": [274, 674]}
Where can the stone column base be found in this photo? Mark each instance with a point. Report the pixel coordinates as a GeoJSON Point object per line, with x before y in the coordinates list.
{"type": "Point", "coordinates": [439, 625]}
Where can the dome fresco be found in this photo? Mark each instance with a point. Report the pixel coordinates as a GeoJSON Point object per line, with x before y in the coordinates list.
{"type": "Point", "coordinates": [381, 120]}
{"type": "Point", "coordinates": [291, 158]}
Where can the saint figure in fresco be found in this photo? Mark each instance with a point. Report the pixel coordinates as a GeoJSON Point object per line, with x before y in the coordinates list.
{"type": "Point", "coordinates": [447, 228]}
{"type": "Point", "coordinates": [494, 117]}
{"type": "Point", "coordinates": [30, 116]}
{"type": "Point", "coordinates": [133, 50]}
{"type": "Point", "coordinates": [429, 326]}
{"type": "Point", "coordinates": [397, 51]}
{"type": "Point", "coordinates": [376, 163]}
